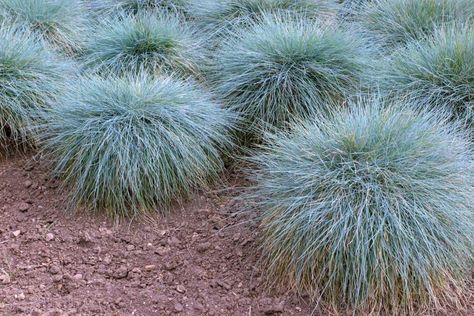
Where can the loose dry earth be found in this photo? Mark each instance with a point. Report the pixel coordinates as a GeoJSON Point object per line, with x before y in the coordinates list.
{"type": "Point", "coordinates": [200, 260]}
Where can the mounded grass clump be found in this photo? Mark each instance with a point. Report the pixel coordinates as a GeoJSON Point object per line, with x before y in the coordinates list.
{"type": "Point", "coordinates": [140, 6]}
{"type": "Point", "coordinates": [370, 210]}
{"type": "Point", "coordinates": [394, 23]}
{"type": "Point", "coordinates": [350, 7]}
{"type": "Point", "coordinates": [30, 80]}
{"type": "Point", "coordinates": [224, 17]}
{"type": "Point", "coordinates": [135, 144]}
{"type": "Point", "coordinates": [436, 72]}
{"type": "Point", "coordinates": [62, 23]}
{"type": "Point", "coordinates": [282, 70]}
{"type": "Point", "coordinates": [156, 43]}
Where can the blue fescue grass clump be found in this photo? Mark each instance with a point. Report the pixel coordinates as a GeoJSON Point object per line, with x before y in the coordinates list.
{"type": "Point", "coordinates": [436, 72]}
{"type": "Point", "coordinates": [393, 23]}
{"type": "Point", "coordinates": [62, 23]}
{"type": "Point", "coordinates": [140, 6]}
{"type": "Point", "coordinates": [30, 80]}
{"type": "Point", "coordinates": [350, 7]}
{"type": "Point", "coordinates": [157, 43]}
{"type": "Point", "coordinates": [370, 210]}
{"type": "Point", "coordinates": [127, 145]}
{"type": "Point", "coordinates": [283, 69]}
{"type": "Point", "coordinates": [219, 18]}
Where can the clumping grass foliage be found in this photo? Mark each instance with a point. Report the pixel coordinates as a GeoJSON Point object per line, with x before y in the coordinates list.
{"type": "Point", "coordinates": [223, 17]}
{"type": "Point", "coordinates": [350, 7]}
{"type": "Point", "coordinates": [437, 72]}
{"type": "Point", "coordinates": [393, 23]}
{"type": "Point", "coordinates": [140, 6]}
{"type": "Point", "coordinates": [127, 145]}
{"type": "Point", "coordinates": [30, 79]}
{"type": "Point", "coordinates": [281, 70]}
{"type": "Point", "coordinates": [62, 23]}
{"type": "Point", "coordinates": [156, 43]}
{"type": "Point", "coordinates": [370, 210]}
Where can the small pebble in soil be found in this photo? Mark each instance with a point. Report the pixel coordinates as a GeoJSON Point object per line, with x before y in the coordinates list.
{"type": "Point", "coordinates": [121, 272]}
{"type": "Point", "coordinates": [16, 233]}
{"type": "Point", "coordinates": [36, 312]}
{"type": "Point", "coordinates": [57, 278]}
{"type": "Point", "coordinates": [137, 270]}
{"type": "Point", "coordinates": [162, 251]}
{"type": "Point", "coordinates": [107, 259]}
{"type": "Point", "coordinates": [203, 247]}
{"type": "Point", "coordinates": [23, 207]}
{"type": "Point", "coordinates": [150, 267]}
{"type": "Point", "coordinates": [20, 296]}
{"type": "Point", "coordinates": [168, 278]}
{"type": "Point", "coordinates": [77, 277]}
{"type": "Point", "coordinates": [236, 237]}
{"type": "Point", "coordinates": [199, 307]}
{"type": "Point", "coordinates": [171, 265]}
{"type": "Point", "coordinates": [180, 289]}
{"type": "Point", "coordinates": [54, 269]}
{"type": "Point", "coordinates": [174, 242]}
{"type": "Point", "coordinates": [272, 308]}
{"type": "Point", "coordinates": [5, 278]}
{"type": "Point", "coordinates": [49, 237]}
{"type": "Point", "coordinates": [178, 307]}
{"type": "Point", "coordinates": [224, 285]}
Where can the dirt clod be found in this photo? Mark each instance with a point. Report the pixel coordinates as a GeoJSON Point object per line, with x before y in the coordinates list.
{"type": "Point", "coordinates": [224, 285]}
{"type": "Point", "coordinates": [121, 272]}
{"type": "Point", "coordinates": [57, 278]}
{"type": "Point", "coordinates": [203, 247]}
{"type": "Point", "coordinates": [276, 308]}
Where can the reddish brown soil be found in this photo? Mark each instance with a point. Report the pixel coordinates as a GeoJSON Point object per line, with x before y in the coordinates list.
{"type": "Point", "coordinates": [200, 260]}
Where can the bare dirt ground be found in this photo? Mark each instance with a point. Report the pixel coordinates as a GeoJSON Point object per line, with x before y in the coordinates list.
{"type": "Point", "coordinates": [200, 260]}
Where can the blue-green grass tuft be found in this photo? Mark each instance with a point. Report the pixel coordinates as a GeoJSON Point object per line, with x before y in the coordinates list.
{"type": "Point", "coordinates": [369, 210]}
{"type": "Point", "coordinates": [221, 18]}
{"type": "Point", "coordinates": [135, 144]}
{"type": "Point", "coordinates": [154, 42]}
{"type": "Point", "coordinates": [283, 69]}
{"type": "Point", "coordinates": [394, 23]}
{"type": "Point", "coordinates": [436, 73]}
{"type": "Point", "coordinates": [115, 7]}
{"type": "Point", "coordinates": [62, 23]}
{"type": "Point", "coordinates": [31, 78]}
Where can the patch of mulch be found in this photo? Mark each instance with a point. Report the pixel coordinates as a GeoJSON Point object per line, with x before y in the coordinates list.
{"type": "Point", "coordinates": [199, 260]}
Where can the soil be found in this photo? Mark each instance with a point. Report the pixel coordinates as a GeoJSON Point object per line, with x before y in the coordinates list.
{"type": "Point", "coordinates": [199, 260]}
